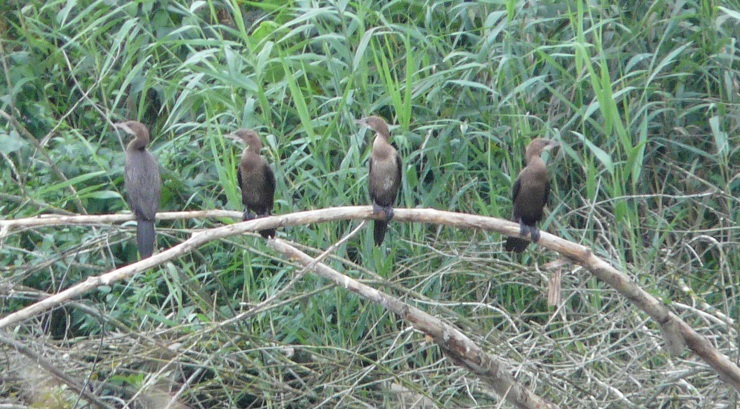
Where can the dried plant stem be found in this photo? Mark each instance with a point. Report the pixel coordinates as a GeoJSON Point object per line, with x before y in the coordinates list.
{"type": "Point", "coordinates": [56, 372]}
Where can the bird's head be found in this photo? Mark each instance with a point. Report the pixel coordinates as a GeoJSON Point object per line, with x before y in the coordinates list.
{"type": "Point", "coordinates": [375, 123]}
{"type": "Point", "coordinates": [539, 145]}
{"type": "Point", "coordinates": [249, 137]}
{"type": "Point", "coordinates": [133, 128]}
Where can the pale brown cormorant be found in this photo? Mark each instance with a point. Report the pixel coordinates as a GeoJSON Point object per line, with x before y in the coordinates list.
{"type": "Point", "coordinates": [385, 174]}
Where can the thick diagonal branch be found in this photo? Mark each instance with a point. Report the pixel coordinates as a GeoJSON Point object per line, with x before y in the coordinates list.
{"type": "Point", "coordinates": [458, 347]}
{"type": "Point", "coordinates": [671, 325]}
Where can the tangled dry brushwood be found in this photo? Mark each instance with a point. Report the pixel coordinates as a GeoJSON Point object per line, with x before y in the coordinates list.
{"type": "Point", "coordinates": [456, 345]}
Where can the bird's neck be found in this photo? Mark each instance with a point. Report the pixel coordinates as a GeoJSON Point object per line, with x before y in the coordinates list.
{"type": "Point", "coordinates": [382, 147]}
{"type": "Point", "coordinates": [138, 144]}
{"type": "Point", "coordinates": [533, 156]}
{"type": "Point", "coordinates": [250, 160]}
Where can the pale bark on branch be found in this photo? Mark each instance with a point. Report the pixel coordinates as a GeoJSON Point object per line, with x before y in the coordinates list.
{"type": "Point", "coordinates": [675, 330]}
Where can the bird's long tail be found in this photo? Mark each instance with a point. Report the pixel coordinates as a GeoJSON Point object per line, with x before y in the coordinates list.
{"type": "Point", "coordinates": [516, 245]}
{"type": "Point", "coordinates": [268, 233]}
{"type": "Point", "coordinates": [379, 229]}
{"type": "Point", "coordinates": [145, 237]}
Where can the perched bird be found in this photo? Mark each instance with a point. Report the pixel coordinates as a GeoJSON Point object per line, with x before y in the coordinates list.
{"type": "Point", "coordinates": [143, 185]}
{"type": "Point", "coordinates": [255, 179]}
{"type": "Point", "coordinates": [385, 174]}
{"type": "Point", "coordinates": [530, 194]}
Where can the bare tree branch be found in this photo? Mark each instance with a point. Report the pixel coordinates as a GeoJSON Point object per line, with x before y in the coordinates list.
{"type": "Point", "coordinates": [57, 220]}
{"type": "Point", "coordinates": [458, 347]}
{"type": "Point", "coordinates": [675, 330]}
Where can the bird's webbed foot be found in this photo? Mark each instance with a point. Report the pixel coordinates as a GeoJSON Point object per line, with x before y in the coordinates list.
{"type": "Point", "coordinates": [534, 232]}
{"type": "Point", "coordinates": [247, 216]}
{"type": "Point", "coordinates": [377, 208]}
{"type": "Point", "coordinates": [388, 213]}
{"type": "Point", "coordinates": [387, 210]}
{"type": "Point", "coordinates": [523, 228]}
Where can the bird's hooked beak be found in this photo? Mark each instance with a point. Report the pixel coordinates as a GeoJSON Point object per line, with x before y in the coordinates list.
{"type": "Point", "coordinates": [233, 137]}
{"type": "Point", "coordinates": [552, 145]}
{"type": "Point", "coordinates": [237, 139]}
{"type": "Point", "coordinates": [122, 126]}
{"type": "Point", "coordinates": [553, 149]}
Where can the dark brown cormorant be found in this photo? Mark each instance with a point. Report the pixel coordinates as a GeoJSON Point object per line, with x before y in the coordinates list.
{"type": "Point", "coordinates": [530, 194]}
{"type": "Point", "coordinates": [255, 179]}
{"type": "Point", "coordinates": [143, 185]}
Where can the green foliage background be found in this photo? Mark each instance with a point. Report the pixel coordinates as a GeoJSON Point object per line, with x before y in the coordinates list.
{"type": "Point", "coordinates": [644, 97]}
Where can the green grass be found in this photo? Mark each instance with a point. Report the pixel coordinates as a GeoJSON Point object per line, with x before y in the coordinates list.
{"type": "Point", "coordinates": [643, 98]}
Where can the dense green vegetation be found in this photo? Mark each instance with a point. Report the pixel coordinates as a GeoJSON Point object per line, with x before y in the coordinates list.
{"type": "Point", "coordinates": [644, 98]}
